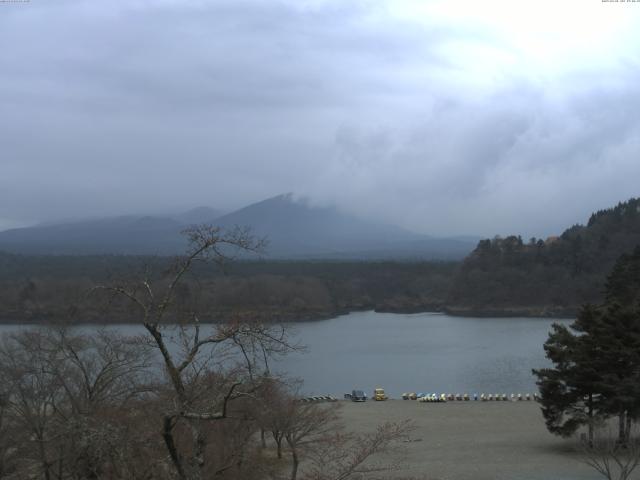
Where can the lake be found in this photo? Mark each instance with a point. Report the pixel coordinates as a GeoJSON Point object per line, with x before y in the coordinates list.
{"type": "Point", "coordinates": [424, 352]}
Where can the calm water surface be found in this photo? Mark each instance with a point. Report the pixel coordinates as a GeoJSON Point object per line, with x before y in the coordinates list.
{"type": "Point", "coordinates": [426, 352]}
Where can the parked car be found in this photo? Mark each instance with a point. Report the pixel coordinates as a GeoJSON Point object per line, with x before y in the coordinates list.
{"type": "Point", "coordinates": [358, 396]}
{"type": "Point", "coordinates": [379, 395]}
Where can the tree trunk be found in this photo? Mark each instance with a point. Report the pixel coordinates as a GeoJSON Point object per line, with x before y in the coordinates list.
{"type": "Point", "coordinates": [295, 462]}
{"type": "Point", "coordinates": [621, 427]}
{"type": "Point", "coordinates": [167, 435]}
{"type": "Point", "coordinates": [43, 458]}
{"type": "Point", "coordinates": [627, 436]}
{"type": "Point", "coordinates": [199, 444]}
{"type": "Point", "coordinates": [590, 426]}
{"type": "Point", "coordinates": [277, 436]}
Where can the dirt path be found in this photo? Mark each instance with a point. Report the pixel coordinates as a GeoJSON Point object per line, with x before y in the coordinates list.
{"type": "Point", "coordinates": [474, 440]}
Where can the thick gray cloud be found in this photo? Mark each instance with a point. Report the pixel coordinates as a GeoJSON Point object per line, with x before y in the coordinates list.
{"type": "Point", "coordinates": [445, 124]}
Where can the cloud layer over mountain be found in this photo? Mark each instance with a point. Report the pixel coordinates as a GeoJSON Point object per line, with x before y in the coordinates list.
{"type": "Point", "coordinates": [443, 117]}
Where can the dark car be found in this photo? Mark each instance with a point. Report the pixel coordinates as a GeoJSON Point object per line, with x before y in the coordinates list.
{"type": "Point", "coordinates": [358, 396]}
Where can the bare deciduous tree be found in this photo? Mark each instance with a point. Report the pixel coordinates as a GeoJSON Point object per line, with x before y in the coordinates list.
{"type": "Point", "coordinates": [184, 400]}
{"type": "Point", "coordinates": [314, 438]}
{"type": "Point", "coordinates": [611, 458]}
{"type": "Point", "coordinates": [308, 425]}
{"type": "Point", "coordinates": [202, 382]}
{"type": "Point", "coordinates": [347, 456]}
{"type": "Point", "coordinates": [64, 395]}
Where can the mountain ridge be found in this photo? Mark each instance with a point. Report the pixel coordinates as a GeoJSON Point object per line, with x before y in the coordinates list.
{"type": "Point", "coordinates": [294, 229]}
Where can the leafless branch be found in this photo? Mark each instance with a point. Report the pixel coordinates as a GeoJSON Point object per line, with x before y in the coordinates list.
{"type": "Point", "coordinates": [610, 458]}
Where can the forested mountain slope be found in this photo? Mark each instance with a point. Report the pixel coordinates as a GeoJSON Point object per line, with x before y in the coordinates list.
{"type": "Point", "coordinates": [552, 276]}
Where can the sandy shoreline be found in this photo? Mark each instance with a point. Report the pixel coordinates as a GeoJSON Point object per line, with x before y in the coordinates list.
{"type": "Point", "coordinates": [474, 440]}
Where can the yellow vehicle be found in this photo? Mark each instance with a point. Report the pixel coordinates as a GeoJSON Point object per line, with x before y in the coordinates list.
{"type": "Point", "coordinates": [378, 394]}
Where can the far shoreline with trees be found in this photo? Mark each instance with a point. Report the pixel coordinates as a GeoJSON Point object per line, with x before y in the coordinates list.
{"type": "Point", "coordinates": [502, 277]}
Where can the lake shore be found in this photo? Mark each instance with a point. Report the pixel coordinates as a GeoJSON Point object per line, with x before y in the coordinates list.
{"type": "Point", "coordinates": [269, 316]}
{"type": "Point", "coordinates": [473, 440]}
{"type": "Point", "coordinates": [517, 311]}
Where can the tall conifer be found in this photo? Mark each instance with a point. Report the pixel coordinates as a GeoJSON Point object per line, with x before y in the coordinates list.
{"type": "Point", "coordinates": [596, 362]}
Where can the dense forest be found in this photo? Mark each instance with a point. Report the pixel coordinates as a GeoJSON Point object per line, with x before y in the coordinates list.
{"type": "Point", "coordinates": [502, 276]}
{"type": "Point", "coordinates": [546, 277]}
{"type": "Point", "coordinates": [59, 288]}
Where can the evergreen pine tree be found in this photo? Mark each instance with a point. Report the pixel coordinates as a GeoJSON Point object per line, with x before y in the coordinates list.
{"type": "Point", "coordinates": [596, 372]}
{"type": "Point", "coordinates": [570, 390]}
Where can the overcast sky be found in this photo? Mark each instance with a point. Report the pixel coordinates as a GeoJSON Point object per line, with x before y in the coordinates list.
{"type": "Point", "coordinates": [447, 117]}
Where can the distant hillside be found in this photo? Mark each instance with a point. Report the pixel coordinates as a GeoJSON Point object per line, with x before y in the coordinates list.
{"type": "Point", "coordinates": [294, 230]}
{"type": "Point", "coordinates": [549, 276]}
{"type": "Point", "coordinates": [198, 215]}
{"type": "Point", "coordinates": [297, 230]}
{"type": "Point", "coordinates": [502, 276]}
{"type": "Point", "coordinates": [129, 234]}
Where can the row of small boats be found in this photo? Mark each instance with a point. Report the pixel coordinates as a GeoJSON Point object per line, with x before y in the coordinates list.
{"type": "Point", "coordinates": [320, 398]}
{"type": "Point", "coordinates": [465, 397]}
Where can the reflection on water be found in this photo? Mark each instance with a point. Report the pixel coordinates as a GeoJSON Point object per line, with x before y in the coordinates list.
{"type": "Point", "coordinates": [426, 352]}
